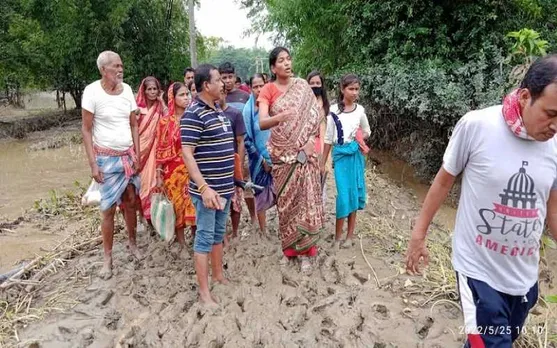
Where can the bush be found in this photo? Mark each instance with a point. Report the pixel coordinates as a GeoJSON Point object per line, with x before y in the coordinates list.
{"type": "Point", "coordinates": [413, 106]}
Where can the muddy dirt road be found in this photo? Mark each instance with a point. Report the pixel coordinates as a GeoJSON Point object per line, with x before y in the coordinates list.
{"type": "Point", "coordinates": [348, 301]}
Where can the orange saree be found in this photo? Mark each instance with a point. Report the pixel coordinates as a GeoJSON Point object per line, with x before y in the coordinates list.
{"type": "Point", "coordinates": [148, 121]}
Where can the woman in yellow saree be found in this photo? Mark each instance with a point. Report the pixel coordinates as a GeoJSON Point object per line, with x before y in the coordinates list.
{"type": "Point", "coordinates": [172, 174]}
{"type": "Point", "coordinates": [289, 108]}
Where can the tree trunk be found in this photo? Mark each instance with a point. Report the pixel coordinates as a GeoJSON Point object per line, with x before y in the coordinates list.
{"type": "Point", "coordinates": [193, 36]}
{"type": "Point", "coordinates": [76, 95]}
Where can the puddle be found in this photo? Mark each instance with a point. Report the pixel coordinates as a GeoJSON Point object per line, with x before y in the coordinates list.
{"type": "Point", "coordinates": [26, 176]}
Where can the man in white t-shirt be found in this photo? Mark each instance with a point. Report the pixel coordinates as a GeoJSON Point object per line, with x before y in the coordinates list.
{"type": "Point", "coordinates": [507, 155]}
{"type": "Point", "coordinates": [111, 140]}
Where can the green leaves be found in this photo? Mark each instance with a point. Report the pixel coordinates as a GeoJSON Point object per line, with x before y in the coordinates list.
{"type": "Point", "coordinates": [246, 61]}
{"type": "Point", "coordinates": [55, 43]}
{"type": "Point", "coordinates": [551, 298]}
{"type": "Point", "coordinates": [527, 43]}
{"type": "Point", "coordinates": [548, 242]}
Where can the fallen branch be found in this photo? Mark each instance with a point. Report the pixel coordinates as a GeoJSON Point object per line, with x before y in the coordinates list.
{"type": "Point", "coordinates": [369, 264]}
{"type": "Point", "coordinates": [41, 274]}
{"type": "Point", "coordinates": [14, 279]}
{"type": "Point", "coordinates": [22, 271]}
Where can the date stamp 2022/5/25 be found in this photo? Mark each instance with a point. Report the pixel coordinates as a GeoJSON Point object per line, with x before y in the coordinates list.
{"type": "Point", "coordinates": [502, 330]}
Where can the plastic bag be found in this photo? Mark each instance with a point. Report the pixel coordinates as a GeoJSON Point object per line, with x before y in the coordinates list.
{"type": "Point", "coordinates": [93, 194]}
{"type": "Point", "coordinates": [162, 216]}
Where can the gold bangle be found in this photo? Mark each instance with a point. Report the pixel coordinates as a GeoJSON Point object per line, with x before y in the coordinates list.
{"type": "Point", "coordinates": [202, 188]}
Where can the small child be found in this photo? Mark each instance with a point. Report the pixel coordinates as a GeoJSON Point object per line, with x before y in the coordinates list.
{"type": "Point", "coordinates": [347, 129]}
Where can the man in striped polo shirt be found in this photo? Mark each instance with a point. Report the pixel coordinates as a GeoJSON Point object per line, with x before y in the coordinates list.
{"type": "Point", "coordinates": [208, 147]}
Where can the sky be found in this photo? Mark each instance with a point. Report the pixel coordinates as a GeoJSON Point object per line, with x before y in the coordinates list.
{"type": "Point", "coordinates": [226, 19]}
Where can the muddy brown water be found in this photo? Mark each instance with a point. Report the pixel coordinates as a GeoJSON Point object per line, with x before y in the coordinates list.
{"type": "Point", "coordinates": [27, 176]}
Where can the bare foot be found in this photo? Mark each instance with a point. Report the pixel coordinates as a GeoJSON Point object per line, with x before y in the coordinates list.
{"type": "Point", "coordinates": [106, 271]}
{"type": "Point", "coordinates": [264, 235]}
{"type": "Point", "coordinates": [183, 254]}
{"type": "Point", "coordinates": [134, 252]}
{"type": "Point", "coordinates": [254, 221]}
{"type": "Point", "coordinates": [336, 245]}
{"type": "Point", "coordinates": [222, 281]}
{"type": "Point", "coordinates": [207, 301]}
{"type": "Point", "coordinates": [348, 243]}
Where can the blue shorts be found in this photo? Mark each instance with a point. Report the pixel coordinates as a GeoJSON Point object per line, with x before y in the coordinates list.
{"type": "Point", "coordinates": [211, 226]}
{"type": "Point", "coordinates": [492, 319]}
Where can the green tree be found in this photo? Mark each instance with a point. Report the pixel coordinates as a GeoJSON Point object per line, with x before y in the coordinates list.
{"type": "Point", "coordinates": [21, 42]}
{"type": "Point", "coordinates": [246, 61]}
{"type": "Point", "coordinates": [423, 64]}
{"type": "Point", "coordinates": [55, 43]}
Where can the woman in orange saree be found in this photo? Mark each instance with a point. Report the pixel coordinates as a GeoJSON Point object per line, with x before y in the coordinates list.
{"type": "Point", "coordinates": [289, 108]}
{"type": "Point", "coordinates": [151, 109]}
{"type": "Point", "coordinates": [172, 175]}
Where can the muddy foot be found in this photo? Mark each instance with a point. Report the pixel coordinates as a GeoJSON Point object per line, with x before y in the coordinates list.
{"type": "Point", "coordinates": [208, 302]}
{"type": "Point", "coordinates": [184, 255]}
{"type": "Point", "coordinates": [264, 235]}
{"type": "Point", "coordinates": [222, 281]}
{"type": "Point", "coordinates": [284, 261]}
{"type": "Point", "coordinates": [179, 252]}
{"type": "Point", "coordinates": [348, 243]}
{"type": "Point", "coordinates": [106, 271]}
{"type": "Point", "coordinates": [134, 253]}
{"type": "Point", "coordinates": [336, 245]}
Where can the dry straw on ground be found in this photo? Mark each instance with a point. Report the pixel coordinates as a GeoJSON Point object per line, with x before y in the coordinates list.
{"type": "Point", "coordinates": [20, 291]}
{"type": "Point", "coordinates": [438, 282]}
{"type": "Point", "coordinates": [383, 231]}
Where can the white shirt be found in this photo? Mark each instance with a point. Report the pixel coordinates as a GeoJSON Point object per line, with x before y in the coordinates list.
{"type": "Point", "coordinates": [111, 121]}
{"type": "Point", "coordinates": [505, 188]}
{"type": "Point", "coordinates": [350, 121]}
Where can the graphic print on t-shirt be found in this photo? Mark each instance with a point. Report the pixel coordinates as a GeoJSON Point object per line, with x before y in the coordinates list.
{"type": "Point", "coordinates": [512, 227]}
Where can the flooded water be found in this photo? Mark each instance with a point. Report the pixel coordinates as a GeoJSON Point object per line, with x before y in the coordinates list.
{"type": "Point", "coordinates": [26, 176]}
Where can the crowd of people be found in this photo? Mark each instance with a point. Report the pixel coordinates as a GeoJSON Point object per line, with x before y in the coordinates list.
{"type": "Point", "coordinates": [212, 144]}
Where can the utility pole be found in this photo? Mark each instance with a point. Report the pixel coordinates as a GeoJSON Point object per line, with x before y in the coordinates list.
{"type": "Point", "coordinates": [193, 36]}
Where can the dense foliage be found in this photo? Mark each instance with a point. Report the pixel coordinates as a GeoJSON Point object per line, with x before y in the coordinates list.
{"type": "Point", "coordinates": [55, 43]}
{"type": "Point", "coordinates": [423, 63]}
{"type": "Point", "coordinates": [246, 61]}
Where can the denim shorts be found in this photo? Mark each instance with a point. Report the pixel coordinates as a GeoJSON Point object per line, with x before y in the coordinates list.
{"type": "Point", "coordinates": [211, 226]}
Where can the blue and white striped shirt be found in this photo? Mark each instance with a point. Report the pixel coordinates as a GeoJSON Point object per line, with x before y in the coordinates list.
{"type": "Point", "coordinates": [209, 131]}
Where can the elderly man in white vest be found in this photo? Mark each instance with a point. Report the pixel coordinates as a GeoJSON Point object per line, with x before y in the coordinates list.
{"type": "Point", "coordinates": [111, 140]}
